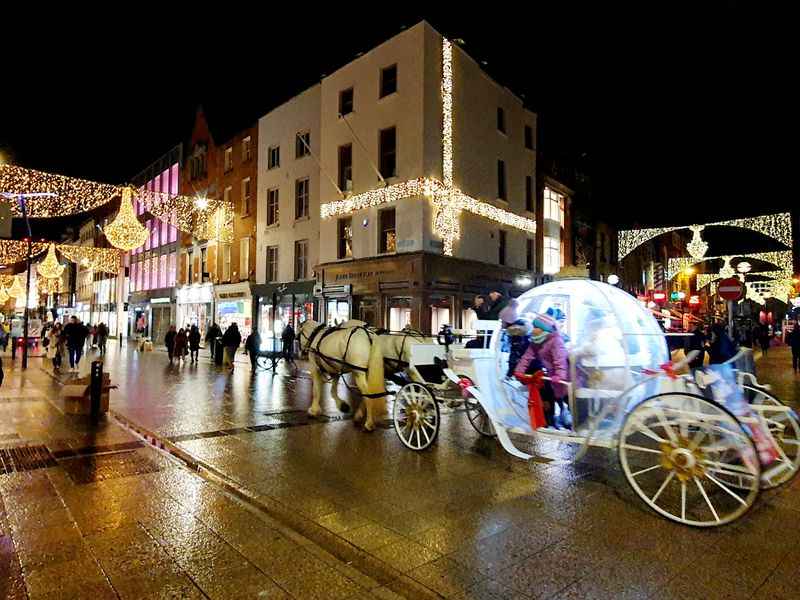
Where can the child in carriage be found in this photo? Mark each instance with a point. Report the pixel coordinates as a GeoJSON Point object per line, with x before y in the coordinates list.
{"type": "Point", "coordinates": [547, 351]}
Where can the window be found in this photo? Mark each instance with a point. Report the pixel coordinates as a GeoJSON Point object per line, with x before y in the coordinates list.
{"type": "Point", "coordinates": [388, 235]}
{"type": "Point", "coordinates": [302, 143]}
{"type": "Point", "coordinates": [388, 152]}
{"type": "Point", "coordinates": [173, 259]}
{"type": "Point", "coordinates": [246, 196]}
{"type": "Point", "coordinates": [272, 263]}
{"type": "Point", "coordinates": [273, 210]}
{"type": "Point", "coordinates": [553, 206]}
{"type": "Point", "coordinates": [345, 238]}
{"type": "Point", "coordinates": [204, 264]}
{"type": "Point", "coordinates": [346, 101]}
{"type": "Point", "coordinates": [529, 254]}
{"type": "Point", "coordinates": [301, 198]}
{"type": "Point", "coordinates": [226, 194]}
{"type": "Point", "coordinates": [529, 193]}
{"type": "Point", "coordinates": [501, 120]}
{"type": "Point", "coordinates": [190, 261]}
{"type": "Point", "coordinates": [228, 159]}
{"type": "Point", "coordinates": [247, 153]}
{"type": "Point", "coordinates": [529, 137]}
{"type": "Point", "coordinates": [244, 259]}
{"type": "Point", "coordinates": [273, 157]}
{"type": "Point", "coordinates": [501, 247]}
{"type": "Point", "coordinates": [162, 271]}
{"type": "Point", "coordinates": [552, 255]}
{"type": "Point", "coordinates": [388, 81]}
{"type": "Point", "coordinates": [346, 168]}
{"type": "Point", "coordinates": [301, 259]}
{"type": "Point", "coordinates": [501, 180]}
{"type": "Point", "coordinates": [226, 262]}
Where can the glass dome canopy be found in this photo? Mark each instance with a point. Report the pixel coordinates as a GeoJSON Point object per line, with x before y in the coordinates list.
{"type": "Point", "coordinates": [601, 322]}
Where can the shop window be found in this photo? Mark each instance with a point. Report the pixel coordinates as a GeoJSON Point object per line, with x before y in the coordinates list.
{"type": "Point", "coordinates": [346, 168]}
{"type": "Point", "coordinates": [273, 208]}
{"type": "Point", "coordinates": [338, 311]}
{"type": "Point", "coordinates": [387, 145]}
{"type": "Point", "coordinates": [244, 259]}
{"type": "Point", "coordinates": [301, 260]}
{"type": "Point", "coordinates": [388, 81]}
{"type": "Point", "coordinates": [345, 238]}
{"type": "Point", "coordinates": [388, 235]}
{"type": "Point", "coordinates": [301, 193]}
{"type": "Point", "coordinates": [346, 102]}
{"type": "Point", "coordinates": [501, 247]}
{"type": "Point", "coordinates": [302, 144]}
{"type": "Point", "coordinates": [439, 316]}
{"type": "Point", "coordinates": [399, 313]}
{"type": "Point", "coordinates": [272, 263]}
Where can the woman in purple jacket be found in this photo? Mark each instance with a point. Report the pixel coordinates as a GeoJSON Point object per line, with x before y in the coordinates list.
{"type": "Point", "coordinates": [547, 351]}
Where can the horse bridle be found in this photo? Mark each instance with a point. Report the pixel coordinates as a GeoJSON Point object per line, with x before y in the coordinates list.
{"type": "Point", "coordinates": [311, 337]}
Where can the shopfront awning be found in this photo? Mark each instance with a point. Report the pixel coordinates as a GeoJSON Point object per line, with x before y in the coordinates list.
{"type": "Point", "coordinates": [298, 288]}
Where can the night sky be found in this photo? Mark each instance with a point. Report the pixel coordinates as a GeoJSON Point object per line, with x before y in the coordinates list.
{"type": "Point", "coordinates": [678, 113]}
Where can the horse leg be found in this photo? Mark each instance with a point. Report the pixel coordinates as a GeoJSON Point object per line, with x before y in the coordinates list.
{"type": "Point", "coordinates": [366, 403]}
{"type": "Point", "coordinates": [316, 390]}
{"type": "Point", "coordinates": [343, 406]}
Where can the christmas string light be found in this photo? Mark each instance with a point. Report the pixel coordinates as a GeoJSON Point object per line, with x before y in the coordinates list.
{"type": "Point", "coordinates": [107, 260]}
{"type": "Point", "coordinates": [782, 259]}
{"type": "Point", "coordinates": [125, 231]}
{"type": "Point", "coordinates": [697, 247]}
{"type": "Point", "coordinates": [14, 251]}
{"type": "Point", "coordinates": [726, 270]}
{"type": "Point", "coordinates": [3, 295]}
{"type": "Point", "coordinates": [448, 201]}
{"type": "Point", "coordinates": [50, 268]}
{"type": "Point", "coordinates": [777, 226]}
{"type": "Point", "coordinates": [16, 290]}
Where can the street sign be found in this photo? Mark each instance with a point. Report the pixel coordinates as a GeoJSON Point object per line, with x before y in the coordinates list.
{"type": "Point", "coordinates": [659, 297]}
{"type": "Point", "coordinates": [730, 289]}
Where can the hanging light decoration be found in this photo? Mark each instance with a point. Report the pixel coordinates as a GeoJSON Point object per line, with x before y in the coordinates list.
{"type": "Point", "coordinates": [697, 247]}
{"type": "Point", "coordinates": [3, 295]}
{"type": "Point", "coordinates": [727, 270]}
{"type": "Point", "coordinates": [50, 268]}
{"type": "Point", "coordinates": [125, 232]}
{"type": "Point", "coordinates": [16, 290]}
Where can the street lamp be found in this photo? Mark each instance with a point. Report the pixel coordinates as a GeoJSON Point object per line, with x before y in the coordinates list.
{"type": "Point", "coordinates": [689, 271]}
{"type": "Point", "coordinates": [23, 203]}
{"type": "Point", "coordinates": [613, 279]}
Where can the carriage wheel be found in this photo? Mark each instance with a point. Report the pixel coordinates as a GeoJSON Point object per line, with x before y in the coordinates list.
{"type": "Point", "coordinates": [784, 428]}
{"type": "Point", "coordinates": [477, 416]}
{"type": "Point", "coordinates": [416, 416]}
{"type": "Point", "coordinates": [678, 451]}
{"type": "Point", "coordinates": [263, 362]}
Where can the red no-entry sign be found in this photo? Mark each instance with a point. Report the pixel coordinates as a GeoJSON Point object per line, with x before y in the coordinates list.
{"type": "Point", "coordinates": [730, 289]}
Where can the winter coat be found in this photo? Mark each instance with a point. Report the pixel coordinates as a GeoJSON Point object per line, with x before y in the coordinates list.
{"type": "Point", "coordinates": [180, 344]}
{"type": "Point", "coordinates": [76, 334]}
{"type": "Point", "coordinates": [253, 343]}
{"type": "Point", "coordinates": [169, 339]}
{"type": "Point", "coordinates": [553, 355]}
{"type": "Point", "coordinates": [793, 339]}
{"type": "Point", "coordinates": [232, 338]}
{"type": "Point", "coordinates": [494, 309]}
{"type": "Point", "coordinates": [194, 339]}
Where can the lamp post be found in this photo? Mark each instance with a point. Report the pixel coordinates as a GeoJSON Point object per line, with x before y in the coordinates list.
{"type": "Point", "coordinates": [22, 199]}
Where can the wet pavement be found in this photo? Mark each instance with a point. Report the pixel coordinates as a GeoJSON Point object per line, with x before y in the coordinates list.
{"type": "Point", "coordinates": [287, 506]}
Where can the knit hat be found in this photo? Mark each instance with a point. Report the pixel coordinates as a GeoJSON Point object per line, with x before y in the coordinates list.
{"type": "Point", "coordinates": [545, 323]}
{"type": "Point", "coordinates": [509, 313]}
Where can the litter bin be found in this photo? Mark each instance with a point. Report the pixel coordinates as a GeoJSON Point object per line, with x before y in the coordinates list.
{"type": "Point", "coordinates": [218, 351]}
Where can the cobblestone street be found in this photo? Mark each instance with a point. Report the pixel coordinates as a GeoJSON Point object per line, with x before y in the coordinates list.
{"type": "Point", "coordinates": [267, 503]}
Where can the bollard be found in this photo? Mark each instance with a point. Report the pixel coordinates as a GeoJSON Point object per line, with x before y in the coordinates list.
{"type": "Point", "coordinates": [96, 388]}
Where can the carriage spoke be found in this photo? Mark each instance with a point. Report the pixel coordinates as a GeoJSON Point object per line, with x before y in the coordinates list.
{"type": "Point", "coordinates": [664, 485]}
{"type": "Point", "coordinates": [427, 437]}
{"type": "Point", "coordinates": [705, 496]}
{"type": "Point", "coordinates": [683, 500]}
{"type": "Point", "coordinates": [667, 428]}
{"type": "Point", "coordinates": [642, 449]}
{"type": "Point", "coordinates": [726, 489]}
{"type": "Point", "coordinates": [645, 430]}
{"type": "Point", "coordinates": [637, 473]}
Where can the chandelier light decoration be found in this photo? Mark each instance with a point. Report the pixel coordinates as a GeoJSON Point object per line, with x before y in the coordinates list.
{"type": "Point", "coordinates": [727, 270]}
{"type": "Point", "coordinates": [448, 201]}
{"type": "Point", "coordinates": [125, 232]}
{"type": "Point", "coordinates": [50, 268]}
{"type": "Point", "coordinates": [16, 290]}
{"type": "Point", "coordinates": [3, 295]}
{"type": "Point", "coordinates": [778, 227]}
{"type": "Point", "coordinates": [697, 247]}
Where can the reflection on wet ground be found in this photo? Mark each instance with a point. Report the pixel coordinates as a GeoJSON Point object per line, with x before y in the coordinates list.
{"type": "Point", "coordinates": [462, 520]}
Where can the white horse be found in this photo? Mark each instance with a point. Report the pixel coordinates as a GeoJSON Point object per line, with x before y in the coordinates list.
{"type": "Point", "coordinates": [338, 350]}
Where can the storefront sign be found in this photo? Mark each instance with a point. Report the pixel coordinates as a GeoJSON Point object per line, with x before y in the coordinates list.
{"type": "Point", "coordinates": [232, 295]}
{"type": "Point", "coordinates": [196, 294]}
{"type": "Point", "coordinates": [160, 301]}
{"type": "Point", "coordinates": [354, 276]}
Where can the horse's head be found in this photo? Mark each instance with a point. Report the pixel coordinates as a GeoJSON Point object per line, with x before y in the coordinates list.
{"type": "Point", "coordinates": [305, 333]}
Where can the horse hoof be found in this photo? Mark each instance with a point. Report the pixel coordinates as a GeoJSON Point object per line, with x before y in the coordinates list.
{"type": "Point", "coordinates": [344, 407]}
{"type": "Point", "coordinates": [313, 413]}
{"type": "Point", "coordinates": [369, 427]}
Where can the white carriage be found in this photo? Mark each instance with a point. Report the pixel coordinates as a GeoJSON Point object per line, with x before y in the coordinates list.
{"type": "Point", "coordinates": [696, 448]}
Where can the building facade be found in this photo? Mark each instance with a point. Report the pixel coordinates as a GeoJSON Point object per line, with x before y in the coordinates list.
{"type": "Point", "coordinates": [215, 275]}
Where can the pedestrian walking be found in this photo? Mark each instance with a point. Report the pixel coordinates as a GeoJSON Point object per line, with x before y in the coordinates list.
{"type": "Point", "coordinates": [169, 342]}
{"type": "Point", "coordinates": [52, 343]}
{"type": "Point", "coordinates": [764, 338]}
{"type": "Point", "coordinates": [181, 345]}
{"type": "Point", "coordinates": [194, 342]}
{"type": "Point", "coordinates": [61, 344]}
{"type": "Point", "coordinates": [793, 339]}
{"type": "Point", "coordinates": [5, 335]}
{"type": "Point", "coordinates": [252, 347]}
{"type": "Point", "coordinates": [76, 334]}
{"type": "Point", "coordinates": [721, 348]}
{"type": "Point", "coordinates": [212, 334]}
{"type": "Point", "coordinates": [102, 338]}
{"type": "Point", "coordinates": [287, 338]}
{"type": "Point", "coordinates": [231, 340]}
{"type": "Point", "coordinates": [697, 343]}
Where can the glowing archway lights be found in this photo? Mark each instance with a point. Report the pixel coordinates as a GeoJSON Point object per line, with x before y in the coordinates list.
{"type": "Point", "coordinates": [778, 227]}
{"type": "Point", "coordinates": [447, 199]}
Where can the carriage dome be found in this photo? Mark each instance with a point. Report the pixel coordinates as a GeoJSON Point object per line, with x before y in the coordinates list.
{"type": "Point", "coordinates": [600, 320]}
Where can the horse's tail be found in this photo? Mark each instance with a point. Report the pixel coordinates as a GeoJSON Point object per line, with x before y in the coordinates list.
{"type": "Point", "coordinates": [376, 379]}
